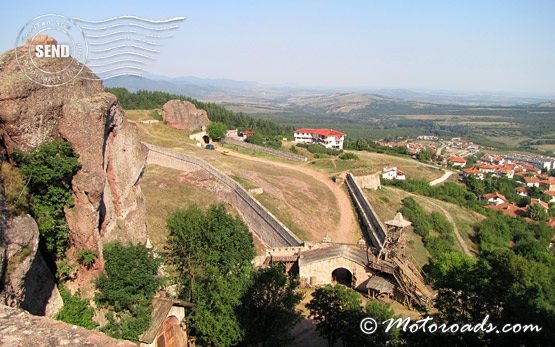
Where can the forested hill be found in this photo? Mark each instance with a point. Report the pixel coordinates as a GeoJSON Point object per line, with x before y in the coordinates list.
{"type": "Point", "coordinates": [146, 100]}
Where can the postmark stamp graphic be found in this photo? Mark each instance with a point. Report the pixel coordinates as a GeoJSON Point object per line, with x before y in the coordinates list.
{"type": "Point", "coordinates": [52, 50]}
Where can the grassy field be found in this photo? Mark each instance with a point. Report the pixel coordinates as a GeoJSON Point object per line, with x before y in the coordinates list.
{"type": "Point", "coordinates": [165, 192]}
{"type": "Point", "coordinates": [388, 200]}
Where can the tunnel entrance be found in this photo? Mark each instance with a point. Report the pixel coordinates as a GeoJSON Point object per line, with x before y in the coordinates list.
{"type": "Point", "coordinates": [342, 276]}
{"type": "Point", "coordinates": [206, 139]}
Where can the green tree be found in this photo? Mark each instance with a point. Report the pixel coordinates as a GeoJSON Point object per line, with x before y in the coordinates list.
{"type": "Point", "coordinates": [537, 212]}
{"type": "Point", "coordinates": [211, 252]}
{"type": "Point", "coordinates": [130, 277]}
{"type": "Point", "coordinates": [216, 130]}
{"type": "Point", "coordinates": [424, 155]}
{"type": "Point", "coordinates": [127, 287]}
{"type": "Point", "coordinates": [268, 311]}
{"type": "Point", "coordinates": [49, 170]}
{"type": "Point", "coordinates": [334, 308]}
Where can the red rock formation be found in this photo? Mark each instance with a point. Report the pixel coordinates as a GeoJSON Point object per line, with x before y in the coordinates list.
{"type": "Point", "coordinates": [18, 328]}
{"type": "Point", "coordinates": [184, 115]}
{"type": "Point", "coordinates": [109, 204]}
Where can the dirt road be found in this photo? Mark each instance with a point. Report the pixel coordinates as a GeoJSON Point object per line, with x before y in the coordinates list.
{"type": "Point", "coordinates": [442, 179]}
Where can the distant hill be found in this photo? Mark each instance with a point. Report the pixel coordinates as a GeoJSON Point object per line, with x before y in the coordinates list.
{"type": "Point", "coordinates": [249, 94]}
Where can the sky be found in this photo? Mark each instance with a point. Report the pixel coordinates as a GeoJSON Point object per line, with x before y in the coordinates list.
{"type": "Point", "coordinates": [470, 46]}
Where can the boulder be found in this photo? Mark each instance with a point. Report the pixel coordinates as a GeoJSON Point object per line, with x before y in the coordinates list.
{"type": "Point", "coordinates": [28, 282]}
{"type": "Point", "coordinates": [184, 115]}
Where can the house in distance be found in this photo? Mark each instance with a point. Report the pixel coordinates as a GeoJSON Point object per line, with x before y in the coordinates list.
{"type": "Point", "coordinates": [327, 137]}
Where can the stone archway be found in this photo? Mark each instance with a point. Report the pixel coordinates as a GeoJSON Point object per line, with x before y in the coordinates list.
{"type": "Point", "coordinates": [206, 139]}
{"type": "Point", "coordinates": [342, 276]}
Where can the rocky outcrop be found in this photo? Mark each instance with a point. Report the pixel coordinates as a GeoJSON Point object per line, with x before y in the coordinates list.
{"type": "Point", "coordinates": [108, 202]}
{"type": "Point", "coordinates": [184, 115]}
{"type": "Point", "coordinates": [20, 329]}
{"type": "Point", "coordinates": [27, 281]}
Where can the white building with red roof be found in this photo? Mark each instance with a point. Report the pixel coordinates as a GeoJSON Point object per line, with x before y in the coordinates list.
{"type": "Point", "coordinates": [495, 198]}
{"type": "Point", "coordinates": [456, 161]}
{"type": "Point", "coordinates": [327, 137]}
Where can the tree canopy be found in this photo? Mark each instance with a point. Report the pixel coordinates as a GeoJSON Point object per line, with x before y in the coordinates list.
{"type": "Point", "coordinates": [268, 311]}
{"type": "Point", "coordinates": [126, 288]}
{"type": "Point", "coordinates": [211, 252]}
{"type": "Point", "coordinates": [49, 170]}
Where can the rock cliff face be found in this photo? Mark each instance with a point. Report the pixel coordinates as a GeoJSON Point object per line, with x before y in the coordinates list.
{"type": "Point", "coordinates": [109, 204]}
{"type": "Point", "coordinates": [184, 115]}
{"type": "Point", "coordinates": [20, 329]}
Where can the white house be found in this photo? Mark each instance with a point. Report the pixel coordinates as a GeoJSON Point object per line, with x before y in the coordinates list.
{"type": "Point", "coordinates": [495, 198]}
{"type": "Point", "coordinates": [391, 173]}
{"type": "Point", "coordinates": [456, 161]}
{"type": "Point", "coordinates": [328, 137]}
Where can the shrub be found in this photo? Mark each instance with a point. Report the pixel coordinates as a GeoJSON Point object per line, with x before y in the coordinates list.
{"type": "Point", "coordinates": [49, 170]}
{"type": "Point", "coordinates": [155, 114]}
{"type": "Point", "coordinates": [87, 257]}
{"type": "Point", "coordinates": [76, 311]}
{"type": "Point", "coordinates": [348, 156]}
{"type": "Point", "coordinates": [64, 269]}
{"type": "Point", "coordinates": [15, 189]}
{"type": "Point", "coordinates": [319, 149]}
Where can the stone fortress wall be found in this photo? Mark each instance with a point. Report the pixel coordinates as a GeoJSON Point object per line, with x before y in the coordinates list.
{"type": "Point", "coordinates": [266, 226]}
{"type": "Point", "coordinates": [277, 153]}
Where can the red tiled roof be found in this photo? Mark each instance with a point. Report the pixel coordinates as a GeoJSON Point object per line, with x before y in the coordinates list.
{"type": "Point", "coordinates": [322, 132]}
{"type": "Point", "coordinates": [508, 209]}
{"type": "Point", "coordinates": [521, 189]}
{"type": "Point", "coordinates": [533, 179]}
{"type": "Point", "coordinates": [495, 195]}
{"type": "Point", "coordinates": [456, 159]}
{"type": "Point", "coordinates": [487, 166]}
{"type": "Point", "coordinates": [542, 203]}
{"type": "Point", "coordinates": [549, 192]}
{"type": "Point", "coordinates": [471, 170]}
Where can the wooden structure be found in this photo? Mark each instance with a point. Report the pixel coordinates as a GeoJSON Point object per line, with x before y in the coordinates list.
{"type": "Point", "coordinates": [167, 326]}
{"type": "Point", "coordinates": [386, 250]}
{"type": "Point", "coordinates": [380, 288]}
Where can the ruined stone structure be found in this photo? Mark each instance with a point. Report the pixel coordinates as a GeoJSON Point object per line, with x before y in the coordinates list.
{"type": "Point", "coordinates": [369, 181]}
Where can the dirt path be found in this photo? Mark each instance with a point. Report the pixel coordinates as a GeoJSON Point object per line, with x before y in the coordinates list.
{"type": "Point", "coordinates": [345, 230]}
{"type": "Point", "coordinates": [451, 220]}
{"type": "Point", "coordinates": [442, 179]}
